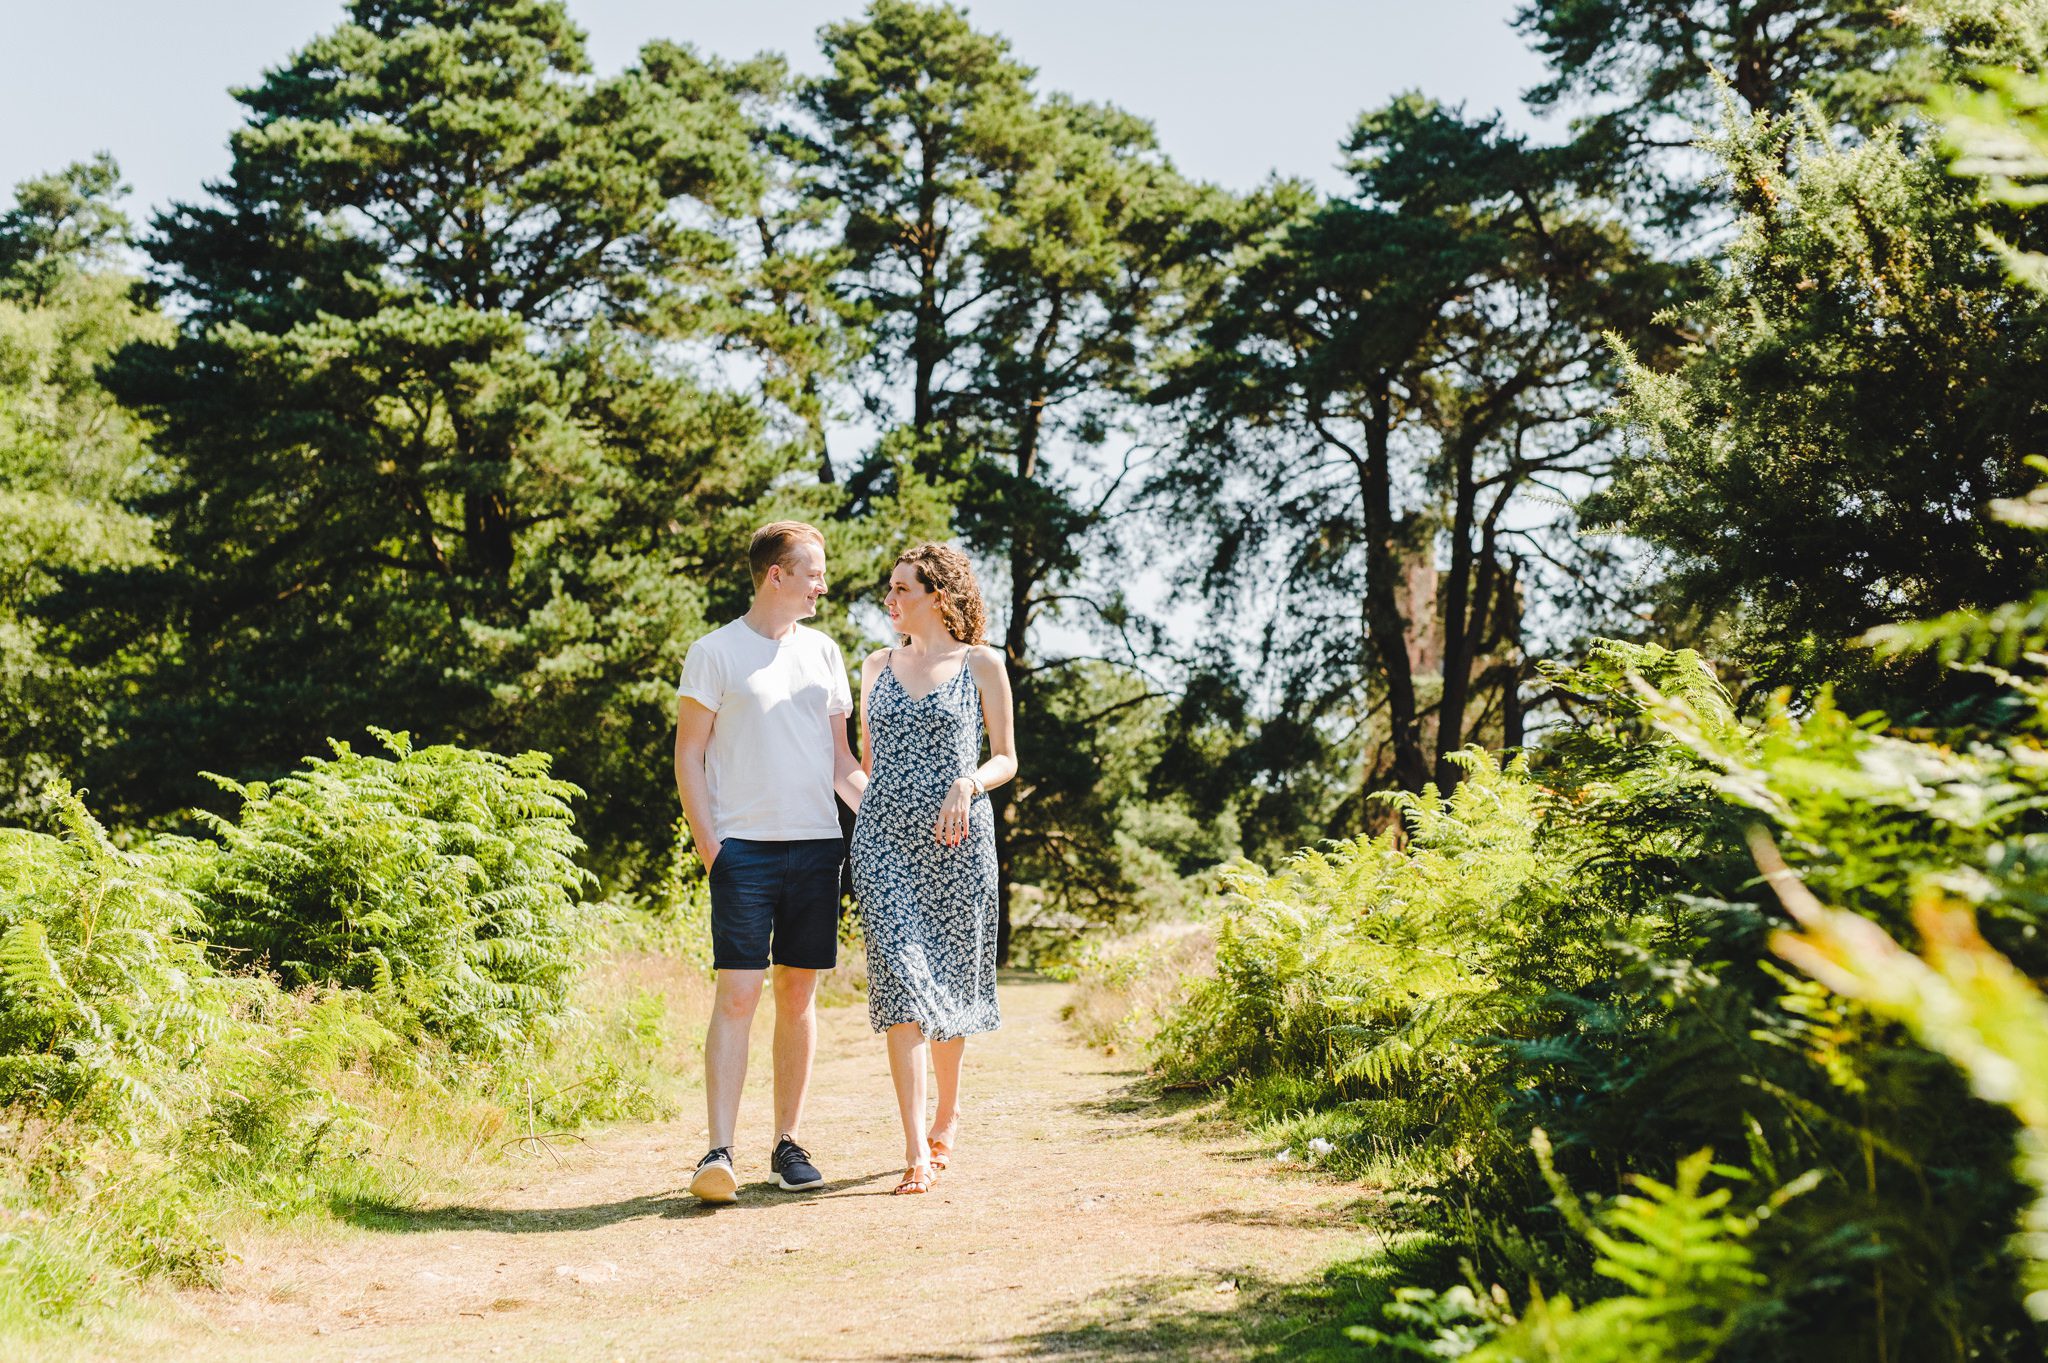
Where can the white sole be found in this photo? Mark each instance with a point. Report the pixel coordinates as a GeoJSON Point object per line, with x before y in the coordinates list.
{"type": "Point", "coordinates": [789, 1187]}
{"type": "Point", "coordinates": [716, 1184]}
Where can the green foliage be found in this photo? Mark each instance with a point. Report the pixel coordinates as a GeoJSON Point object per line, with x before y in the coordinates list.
{"type": "Point", "coordinates": [425, 908]}
{"type": "Point", "coordinates": [441, 881]}
{"type": "Point", "coordinates": [1641, 77]}
{"type": "Point", "coordinates": [1376, 387]}
{"type": "Point", "coordinates": [426, 442]}
{"type": "Point", "coordinates": [104, 991]}
{"type": "Point", "coordinates": [1584, 957]}
{"type": "Point", "coordinates": [1367, 970]}
{"type": "Point", "coordinates": [1678, 1251]}
{"type": "Point", "coordinates": [1997, 130]}
{"type": "Point", "coordinates": [1961, 998]}
{"type": "Point", "coordinates": [1820, 463]}
{"type": "Point", "coordinates": [69, 456]}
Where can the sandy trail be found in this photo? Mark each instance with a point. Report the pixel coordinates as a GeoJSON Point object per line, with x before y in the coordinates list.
{"type": "Point", "coordinates": [1074, 1213]}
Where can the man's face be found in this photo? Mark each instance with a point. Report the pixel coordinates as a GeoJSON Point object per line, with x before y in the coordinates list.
{"type": "Point", "coordinates": [801, 577]}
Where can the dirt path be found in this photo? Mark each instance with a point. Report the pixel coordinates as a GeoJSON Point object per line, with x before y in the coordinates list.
{"type": "Point", "coordinates": [1075, 1221]}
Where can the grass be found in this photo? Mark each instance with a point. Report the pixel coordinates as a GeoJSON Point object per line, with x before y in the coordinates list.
{"type": "Point", "coordinates": [89, 1223]}
{"type": "Point", "coordinates": [1125, 987]}
{"type": "Point", "coordinates": [1246, 1318]}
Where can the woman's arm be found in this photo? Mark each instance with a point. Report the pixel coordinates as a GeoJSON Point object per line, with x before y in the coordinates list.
{"type": "Point", "coordinates": [955, 815]}
{"type": "Point", "coordinates": [998, 715]}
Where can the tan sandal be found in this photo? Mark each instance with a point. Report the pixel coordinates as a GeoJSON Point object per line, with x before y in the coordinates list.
{"type": "Point", "coordinates": [912, 1184]}
{"type": "Point", "coordinates": [942, 1156]}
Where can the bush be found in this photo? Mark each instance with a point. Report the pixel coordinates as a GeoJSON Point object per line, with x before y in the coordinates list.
{"type": "Point", "coordinates": [1365, 970]}
{"type": "Point", "coordinates": [1578, 946]}
{"type": "Point", "coordinates": [421, 909]}
{"type": "Point", "coordinates": [441, 881]}
{"type": "Point", "coordinates": [104, 990]}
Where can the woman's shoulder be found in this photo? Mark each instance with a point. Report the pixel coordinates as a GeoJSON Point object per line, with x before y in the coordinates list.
{"type": "Point", "coordinates": [985, 659]}
{"type": "Point", "coordinates": [874, 660]}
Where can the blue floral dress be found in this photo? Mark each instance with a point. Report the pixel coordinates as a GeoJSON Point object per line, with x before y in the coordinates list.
{"type": "Point", "coordinates": [928, 911]}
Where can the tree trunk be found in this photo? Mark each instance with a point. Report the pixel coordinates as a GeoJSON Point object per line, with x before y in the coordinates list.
{"type": "Point", "coordinates": [1024, 575]}
{"type": "Point", "coordinates": [487, 530]}
{"type": "Point", "coordinates": [1004, 802]}
{"type": "Point", "coordinates": [927, 323]}
{"type": "Point", "coordinates": [1386, 630]}
{"type": "Point", "coordinates": [1458, 642]}
{"type": "Point", "coordinates": [814, 422]}
{"type": "Point", "coordinates": [1510, 614]}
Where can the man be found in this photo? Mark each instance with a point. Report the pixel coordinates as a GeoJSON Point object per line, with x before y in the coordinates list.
{"type": "Point", "coordinates": [760, 747]}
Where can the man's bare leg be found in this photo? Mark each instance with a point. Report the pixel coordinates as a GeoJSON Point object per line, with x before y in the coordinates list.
{"type": "Point", "coordinates": [737, 995]}
{"type": "Point", "coordinates": [796, 1044]}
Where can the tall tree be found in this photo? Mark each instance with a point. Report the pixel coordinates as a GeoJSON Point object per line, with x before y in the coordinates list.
{"type": "Point", "coordinates": [1864, 385]}
{"type": "Point", "coordinates": [776, 298]}
{"type": "Point", "coordinates": [1091, 239]}
{"type": "Point", "coordinates": [1013, 256]}
{"type": "Point", "coordinates": [1376, 393]}
{"type": "Point", "coordinates": [911, 119]}
{"type": "Point", "coordinates": [1643, 75]}
{"type": "Point", "coordinates": [430, 472]}
{"type": "Point", "coordinates": [69, 455]}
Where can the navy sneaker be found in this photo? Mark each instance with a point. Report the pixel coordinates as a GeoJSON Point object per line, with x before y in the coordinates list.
{"type": "Point", "coordinates": [714, 1180]}
{"type": "Point", "coordinates": [794, 1171]}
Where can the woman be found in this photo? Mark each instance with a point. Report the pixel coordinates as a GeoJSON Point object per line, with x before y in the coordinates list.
{"type": "Point", "coordinates": [924, 844]}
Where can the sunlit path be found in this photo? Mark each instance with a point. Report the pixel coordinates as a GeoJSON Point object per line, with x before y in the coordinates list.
{"type": "Point", "coordinates": [1073, 1208]}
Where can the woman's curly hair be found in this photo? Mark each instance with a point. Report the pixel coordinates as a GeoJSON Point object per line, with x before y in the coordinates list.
{"type": "Point", "coordinates": [945, 572]}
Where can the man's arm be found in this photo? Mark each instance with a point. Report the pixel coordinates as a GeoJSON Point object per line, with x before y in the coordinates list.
{"type": "Point", "coordinates": [693, 737]}
{"type": "Point", "coordinates": [849, 778]}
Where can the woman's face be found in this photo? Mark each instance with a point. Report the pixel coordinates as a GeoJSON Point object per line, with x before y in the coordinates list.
{"type": "Point", "coordinates": [913, 608]}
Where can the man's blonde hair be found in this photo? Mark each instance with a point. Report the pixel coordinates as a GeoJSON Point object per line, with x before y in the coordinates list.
{"type": "Point", "coordinates": [774, 542]}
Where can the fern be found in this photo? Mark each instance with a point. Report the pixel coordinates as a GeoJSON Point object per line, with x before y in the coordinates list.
{"type": "Point", "coordinates": [441, 881]}
{"type": "Point", "coordinates": [104, 991]}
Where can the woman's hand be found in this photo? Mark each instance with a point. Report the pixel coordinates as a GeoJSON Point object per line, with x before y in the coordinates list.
{"type": "Point", "coordinates": [954, 814]}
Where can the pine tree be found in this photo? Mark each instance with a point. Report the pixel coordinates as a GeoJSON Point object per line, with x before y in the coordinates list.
{"type": "Point", "coordinates": [69, 455]}
{"type": "Point", "coordinates": [428, 464]}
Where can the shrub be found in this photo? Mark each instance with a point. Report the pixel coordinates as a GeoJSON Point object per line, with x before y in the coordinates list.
{"type": "Point", "coordinates": [1368, 968]}
{"type": "Point", "coordinates": [1578, 946]}
{"type": "Point", "coordinates": [104, 992]}
{"type": "Point", "coordinates": [442, 881]}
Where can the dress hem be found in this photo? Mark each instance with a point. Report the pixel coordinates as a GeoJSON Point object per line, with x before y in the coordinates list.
{"type": "Point", "coordinates": [930, 1035]}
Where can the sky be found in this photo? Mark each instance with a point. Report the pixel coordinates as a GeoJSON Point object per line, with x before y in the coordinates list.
{"type": "Point", "coordinates": [1237, 89]}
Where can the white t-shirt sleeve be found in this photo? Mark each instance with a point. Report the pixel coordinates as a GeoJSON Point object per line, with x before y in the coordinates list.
{"type": "Point", "coordinates": [840, 702]}
{"type": "Point", "coordinates": [703, 678]}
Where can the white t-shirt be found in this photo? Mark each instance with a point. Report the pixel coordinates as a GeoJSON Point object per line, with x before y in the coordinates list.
{"type": "Point", "coordinates": [769, 763]}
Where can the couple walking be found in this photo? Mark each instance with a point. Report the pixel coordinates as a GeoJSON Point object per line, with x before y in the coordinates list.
{"type": "Point", "coordinates": [761, 747]}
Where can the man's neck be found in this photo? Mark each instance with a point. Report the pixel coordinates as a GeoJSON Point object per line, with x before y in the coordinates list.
{"type": "Point", "coordinates": [769, 621]}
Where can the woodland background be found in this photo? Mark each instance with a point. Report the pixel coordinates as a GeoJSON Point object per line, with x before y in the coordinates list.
{"type": "Point", "coordinates": [1601, 540]}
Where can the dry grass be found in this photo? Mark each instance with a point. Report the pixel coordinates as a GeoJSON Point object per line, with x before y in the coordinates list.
{"type": "Point", "coordinates": [1123, 989]}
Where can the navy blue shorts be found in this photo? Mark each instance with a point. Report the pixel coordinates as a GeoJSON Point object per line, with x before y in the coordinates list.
{"type": "Point", "coordinates": [776, 901]}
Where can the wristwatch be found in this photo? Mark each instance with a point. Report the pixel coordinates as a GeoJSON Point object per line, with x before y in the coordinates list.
{"type": "Point", "coordinates": [979, 788]}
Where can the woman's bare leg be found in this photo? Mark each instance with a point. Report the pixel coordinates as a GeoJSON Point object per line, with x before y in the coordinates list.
{"type": "Point", "coordinates": [946, 1058]}
{"type": "Point", "coordinates": [906, 1066]}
